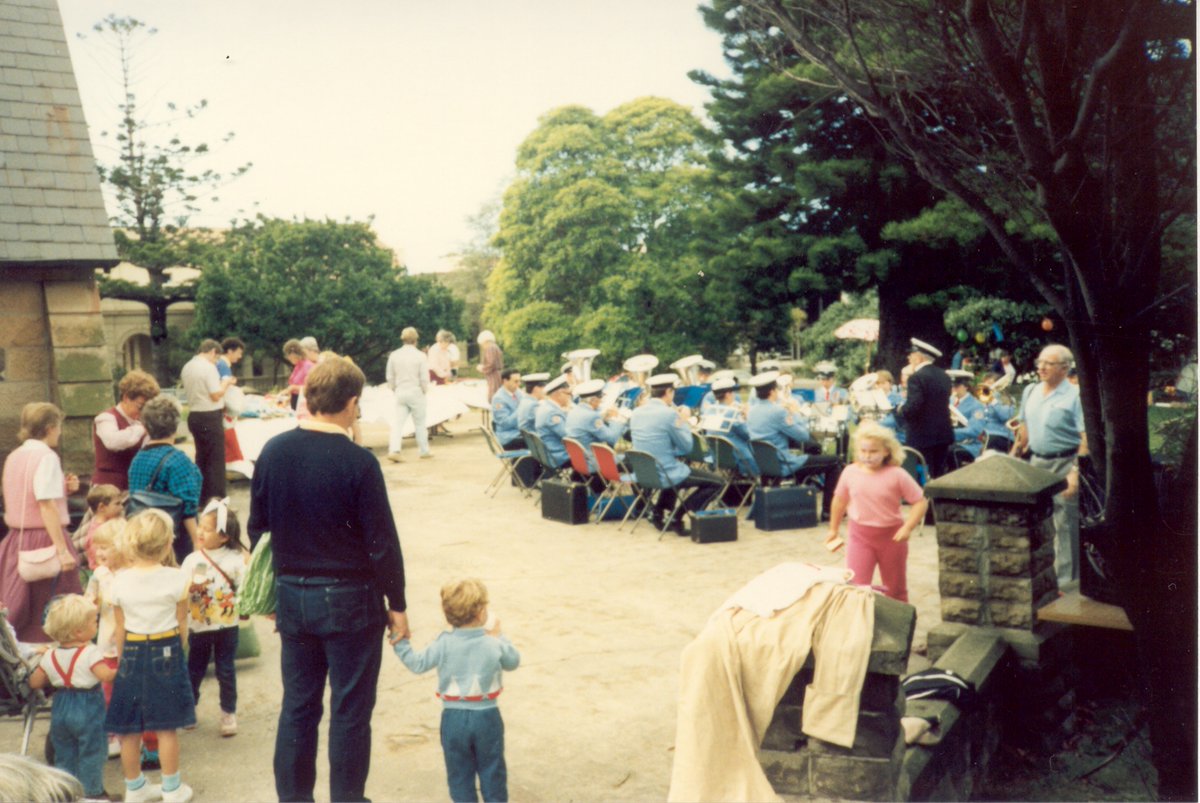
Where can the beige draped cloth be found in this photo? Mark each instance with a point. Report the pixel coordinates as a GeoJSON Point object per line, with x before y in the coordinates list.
{"type": "Point", "coordinates": [737, 669]}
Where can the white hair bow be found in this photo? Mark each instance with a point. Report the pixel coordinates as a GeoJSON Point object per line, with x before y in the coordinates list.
{"type": "Point", "coordinates": [221, 508]}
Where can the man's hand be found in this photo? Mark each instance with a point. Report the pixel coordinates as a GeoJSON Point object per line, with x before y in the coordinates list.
{"type": "Point", "coordinates": [397, 627]}
{"type": "Point", "coordinates": [1072, 484]}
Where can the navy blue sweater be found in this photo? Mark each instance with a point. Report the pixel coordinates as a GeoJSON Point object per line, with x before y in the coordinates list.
{"type": "Point", "coordinates": [324, 501]}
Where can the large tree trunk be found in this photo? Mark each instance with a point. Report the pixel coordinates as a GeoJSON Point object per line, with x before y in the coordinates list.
{"type": "Point", "coordinates": [898, 322]}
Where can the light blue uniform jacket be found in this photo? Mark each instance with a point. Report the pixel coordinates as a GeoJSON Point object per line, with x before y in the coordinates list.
{"type": "Point", "coordinates": [657, 429]}
{"type": "Point", "coordinates": [550, 423]}
{"type": "Point", "coordinates": [588, 426]}
{"type": "Point", "coordinates": [775, 425]}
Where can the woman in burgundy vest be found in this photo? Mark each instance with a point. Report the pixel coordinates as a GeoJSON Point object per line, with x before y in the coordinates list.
{"type": "Point", "coordinates": [117, 433]}
{"type": "Point", "coordinates": [35, 510]}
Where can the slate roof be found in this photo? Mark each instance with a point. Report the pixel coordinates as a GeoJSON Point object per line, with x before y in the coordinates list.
{"type": "Point", "coordinates": [51, 208]}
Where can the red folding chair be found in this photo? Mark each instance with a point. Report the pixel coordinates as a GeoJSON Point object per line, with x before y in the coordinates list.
{"type": "Point", "coordinates": [614, 482]}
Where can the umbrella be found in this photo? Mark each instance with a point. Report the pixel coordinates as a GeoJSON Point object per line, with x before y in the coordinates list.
{"type": "Point", "coordinates": [860, 329]}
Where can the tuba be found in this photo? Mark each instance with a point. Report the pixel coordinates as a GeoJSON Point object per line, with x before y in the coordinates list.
{"type": "Point", "coordinates": [688, 368]}
{"type": "Point", "coordinates": [639, 367]}
{"type": "Point", "coordinates": [580, 361]}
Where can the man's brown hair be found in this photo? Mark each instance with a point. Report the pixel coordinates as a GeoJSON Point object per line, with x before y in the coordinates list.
{"type": "Point", "coordinates": [332, 384]}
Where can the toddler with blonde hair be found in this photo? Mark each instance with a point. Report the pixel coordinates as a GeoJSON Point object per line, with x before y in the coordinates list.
{"type": "Point", "coordinates": [75, 668]}
{"type": "Point", "coordinates": [470, 660]}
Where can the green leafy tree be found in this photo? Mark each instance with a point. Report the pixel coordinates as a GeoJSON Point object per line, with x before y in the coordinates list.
{"type": "Point", "coordinates": [476, 261]}
{"type": "Point", "coordinates": [271, 279]}
{"type": "Point", "coordinates": [156, 181]}
{"type": "Point", "coordinates": [1077, 119]}
{"type": "Point", "coordinates": [813, 204]}
{"type": "Point", "coordinates": [597, 238]}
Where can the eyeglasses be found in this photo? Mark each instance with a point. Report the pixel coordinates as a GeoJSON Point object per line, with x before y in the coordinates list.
{"type": "Point", "coordinates": [1047, 363]}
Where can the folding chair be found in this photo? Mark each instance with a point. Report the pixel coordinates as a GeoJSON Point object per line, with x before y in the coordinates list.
{"type": "Point", "coordinates": [770, 467]}
{"type": "Point", "coordinates": [914, 464]}
{"type": "Point", "coordinates": [725, 461]}
{"type": "Point", "coordinates": [957, 457]}
{"type": "Point", "coordinates": [646, 477]}
{"type": "Point", "coordinates": [508, 460]}
{"type": "Point", "coordinates": [614, 482]}
{"type": "Point", "coordinates": [698, 456]}
{"type": "Point", "coordinates": [540, 453]}
{"type": "Point", "coordinates": [578, 457]}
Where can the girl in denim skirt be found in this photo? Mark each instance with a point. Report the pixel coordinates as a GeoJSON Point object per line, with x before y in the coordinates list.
{"type": "Point", "coordinates": [152, 691]}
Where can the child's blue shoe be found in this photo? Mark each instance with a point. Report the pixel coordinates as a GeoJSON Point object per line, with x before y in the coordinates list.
{"type": "Point", "coordinates": [149, 759]}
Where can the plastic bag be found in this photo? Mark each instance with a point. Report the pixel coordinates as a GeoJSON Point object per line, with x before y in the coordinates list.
{"type": "Point", "coordinates": [257, 594]}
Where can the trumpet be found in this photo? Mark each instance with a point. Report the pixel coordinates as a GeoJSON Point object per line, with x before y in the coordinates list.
{"type": "Point", "coordinates": [1013, 423]}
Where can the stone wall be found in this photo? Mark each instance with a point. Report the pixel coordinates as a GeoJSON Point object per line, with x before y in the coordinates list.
{"type": "Point", "coordinates": [799, 765]}
{"type": "Point", "coordinates": [53, 338]}
{"type": "Point", "coordinates": [958, 764]}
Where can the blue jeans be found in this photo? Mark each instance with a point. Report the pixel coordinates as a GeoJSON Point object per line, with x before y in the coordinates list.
{"type": "Point", "coordinates": [473, 744]}
{"type": "Point", "coordinates": [221, 646]}
{"type": "Point", "coordinates": [77, 733]}
{"type": "Point", "coordinates": [328, 628]}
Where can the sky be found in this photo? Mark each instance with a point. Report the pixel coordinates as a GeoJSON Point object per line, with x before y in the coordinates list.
{"type": "Point", "coordinates": [407, 111]}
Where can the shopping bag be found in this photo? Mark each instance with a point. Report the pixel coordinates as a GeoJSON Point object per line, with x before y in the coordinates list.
{"type": "Point", "coordinates": [257, 594]}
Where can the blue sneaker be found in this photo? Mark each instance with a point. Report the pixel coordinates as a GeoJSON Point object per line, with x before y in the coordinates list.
{"type": "Point", "coordinates": [149, 759]}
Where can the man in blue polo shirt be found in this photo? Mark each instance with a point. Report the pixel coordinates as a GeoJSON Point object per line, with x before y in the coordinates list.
{"type": "Point", "coordinates": [1052, 431]}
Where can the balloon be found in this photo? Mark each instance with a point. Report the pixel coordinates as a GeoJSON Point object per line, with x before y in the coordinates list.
{"type": "Point", "coordinates": [1047, 324]}
{"type": "Point", "coordinates": [980, 337]}
{"type": "Point", "coordinates": [961, 334]}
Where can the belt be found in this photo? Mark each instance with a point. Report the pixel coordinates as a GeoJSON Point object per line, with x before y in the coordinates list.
{"type": "Point", "coordinates": [1057, 455]}
{"type": "Point", "coordinates": [152, 636]}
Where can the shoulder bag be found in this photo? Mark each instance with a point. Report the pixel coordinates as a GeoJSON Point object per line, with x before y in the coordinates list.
{"type": "Point", "coordinates": [148, 498]}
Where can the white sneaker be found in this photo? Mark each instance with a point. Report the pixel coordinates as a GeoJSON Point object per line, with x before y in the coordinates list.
{"type": "Point", "coordinates": [395, 457]}
{"type": "Point", "coordinates": [114, 748]}
{"type": "Point", "coordinates": [426, 456]}
{"type": "Point", "coordinates": [148, 793]}
{"type": "Point", "coordinates": [181, 795]}
{"type": "Point", "coordinates": [228, 724]}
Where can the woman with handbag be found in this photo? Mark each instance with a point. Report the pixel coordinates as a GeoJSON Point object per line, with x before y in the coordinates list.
{"type": "Point", "coordinates": [37, 560]}
{"type": "Point", "coordinates": [165, 470]}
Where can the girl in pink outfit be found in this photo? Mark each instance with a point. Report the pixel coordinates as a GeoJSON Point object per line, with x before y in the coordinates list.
{"type": "Point", "coordinates": [871, 488]}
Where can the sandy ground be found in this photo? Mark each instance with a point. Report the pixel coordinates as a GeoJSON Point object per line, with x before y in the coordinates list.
{"type": "Point", "coordinates": [600, 617]}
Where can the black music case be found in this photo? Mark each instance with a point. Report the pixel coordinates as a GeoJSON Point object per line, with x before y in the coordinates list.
{"type": "Point", "coordinates": [565, 501]}
{"type": "Point", "coordinates": [791, 507]}
{"type": "Point", "coordinates": [713, 526]}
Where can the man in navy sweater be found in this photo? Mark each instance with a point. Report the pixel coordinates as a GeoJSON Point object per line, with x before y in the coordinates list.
{"type": "Point", "coordinates": [340, 582]}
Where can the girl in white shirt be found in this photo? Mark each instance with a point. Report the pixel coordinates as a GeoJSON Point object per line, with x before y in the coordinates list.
{"type": "Point", "coordinates": [214, 573]}
{"type": "Point", "coordinates": [151, 691]}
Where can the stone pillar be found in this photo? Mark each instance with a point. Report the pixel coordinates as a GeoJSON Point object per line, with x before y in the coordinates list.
{"type": "Point", "coordinates": [995, 569]}
{"type": "Point", "coordinates": [799, 765]}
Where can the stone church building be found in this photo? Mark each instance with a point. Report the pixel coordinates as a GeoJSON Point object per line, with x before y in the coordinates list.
{"type": "Point", "coordinates": [54, 234]}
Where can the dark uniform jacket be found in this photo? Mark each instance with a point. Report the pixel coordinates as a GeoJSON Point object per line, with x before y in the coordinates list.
{"type": "Point", "coordinates": [926, 410]}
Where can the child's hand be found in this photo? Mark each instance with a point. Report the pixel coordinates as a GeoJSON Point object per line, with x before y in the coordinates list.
{"type": "Point", "coordinates": [834, 541]}
{"type": "Point", "coordinates": [902, 535]}
{"type": "Point", "coordinates": [494, 630]}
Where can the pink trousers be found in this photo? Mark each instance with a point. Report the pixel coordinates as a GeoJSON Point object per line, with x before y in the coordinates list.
{"type": "Point", "coordinates": [868, 547]}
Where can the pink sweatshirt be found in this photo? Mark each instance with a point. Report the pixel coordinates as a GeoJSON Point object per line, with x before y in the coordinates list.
{"type": "Point", "coordinates": [875, 496]}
